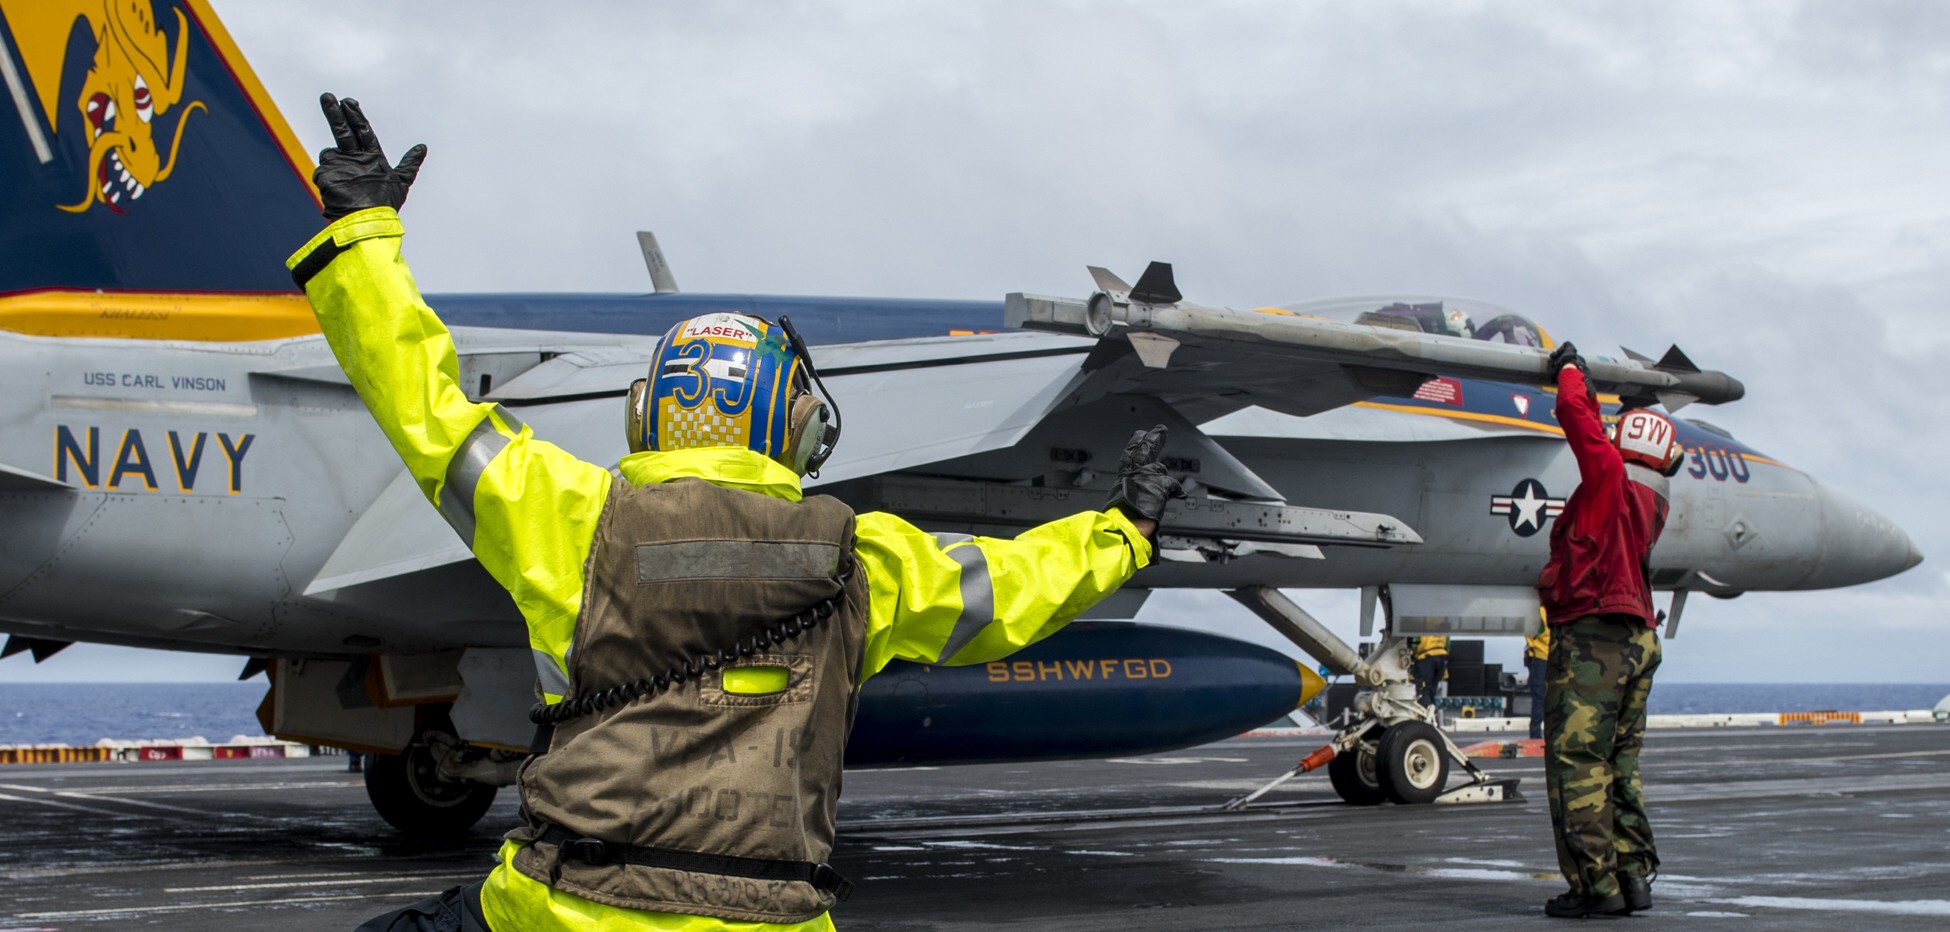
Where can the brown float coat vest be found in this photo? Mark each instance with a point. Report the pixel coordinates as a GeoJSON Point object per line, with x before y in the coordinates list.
{"type": "Point", "coordinates": [678, 570]}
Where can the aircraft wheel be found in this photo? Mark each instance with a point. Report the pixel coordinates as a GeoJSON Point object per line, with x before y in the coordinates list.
{"type": "Point", "coordinates": [1412, 763]}
{"type": "Point", "coordinates": [408, 793]}
{"type": "Point", "coordinates": [1354, 777]}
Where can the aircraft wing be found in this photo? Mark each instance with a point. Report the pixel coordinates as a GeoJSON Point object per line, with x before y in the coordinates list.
{"type": "Point", "coordinates": [953, 427]}
{"type": "Point", "coordinates": [984, 392]}
{"type": "Point", "coordinates": [1209, 361]}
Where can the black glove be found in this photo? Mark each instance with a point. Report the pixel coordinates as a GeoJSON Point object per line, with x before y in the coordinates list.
{"type": "Point", "coordinates": [1143, 488]}
{"type": "Point", "coordinates": [355, 175]}
{"type": "Point", "coordinates": [1566, 354]}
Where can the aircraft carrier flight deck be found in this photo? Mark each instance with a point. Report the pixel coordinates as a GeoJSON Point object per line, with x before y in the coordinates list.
{"type": "Point", "coordinates": [1776, 828]}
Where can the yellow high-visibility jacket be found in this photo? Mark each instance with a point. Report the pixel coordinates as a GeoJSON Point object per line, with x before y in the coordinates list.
{"type": "Point", "coordinates": [529, 510]}
{"type": "Point", "coordinates": [1431, 647]}
{"type": "Point", "coordinates": [1538, 646]}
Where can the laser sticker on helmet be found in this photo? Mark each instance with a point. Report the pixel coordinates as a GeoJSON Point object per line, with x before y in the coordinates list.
{"type": "Point", "coordinates": [720, 326]}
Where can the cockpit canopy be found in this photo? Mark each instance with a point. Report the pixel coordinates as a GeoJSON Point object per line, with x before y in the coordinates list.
{"type": "Point", "coordinates": [1448, 317]}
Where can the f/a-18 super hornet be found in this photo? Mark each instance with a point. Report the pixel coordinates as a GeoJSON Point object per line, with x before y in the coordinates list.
{"type": "Point", "coordinates": [183, 465]}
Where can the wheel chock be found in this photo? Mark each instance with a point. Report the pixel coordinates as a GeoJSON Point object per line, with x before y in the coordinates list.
{"type": "Point", "coordinates": [1499, 790]}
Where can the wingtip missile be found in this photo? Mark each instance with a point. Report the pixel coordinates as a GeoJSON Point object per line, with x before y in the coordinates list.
{"type": "Point", "coordinates": [1690, 383]}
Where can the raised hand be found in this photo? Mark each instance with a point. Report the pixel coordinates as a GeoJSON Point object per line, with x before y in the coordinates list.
{"type": "Point", "coordinates": [355, 175]}
{"type": "Point", "coordinates": [1143, 488]}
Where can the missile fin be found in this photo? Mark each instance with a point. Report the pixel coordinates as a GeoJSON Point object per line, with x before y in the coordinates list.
{"type": "Point", "coordinates": [1676, 400]}
{"type": "Point", "coordinates": [1676, 361]}
{"type": "Point", "coordinates": [1156, 285]}
{"type": "Point", "coordinates": [1108, 282]}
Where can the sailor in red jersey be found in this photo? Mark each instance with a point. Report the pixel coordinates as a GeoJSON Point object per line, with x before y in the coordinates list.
{"type": "Point", "coordinates": [1597, 592]}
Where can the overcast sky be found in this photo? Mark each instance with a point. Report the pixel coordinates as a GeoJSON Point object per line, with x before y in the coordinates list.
{"type": "Point", "coordinates": [1765, 183]}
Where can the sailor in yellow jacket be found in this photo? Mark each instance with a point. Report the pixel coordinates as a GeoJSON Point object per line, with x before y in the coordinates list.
{"type": "Point", "coordinates": [1536, 664]}
{"type": "Point", "coordinates": [690, 600]}
{"type": "Point", "coordinates": [1430, 667]}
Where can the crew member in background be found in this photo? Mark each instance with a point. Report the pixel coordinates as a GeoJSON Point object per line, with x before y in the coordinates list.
{"type": "Point", "coordinates": [688, 607]}
{"type": "Point", "coordinates": [1431, 666]}
{"type": "Point", "coordinates": [1536, 661]}
{"type": "Point", "coordinates": [1596, 591]}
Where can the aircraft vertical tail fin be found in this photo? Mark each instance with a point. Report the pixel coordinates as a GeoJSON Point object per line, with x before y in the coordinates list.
{"type": "Point", "coordinates": [142, 160]}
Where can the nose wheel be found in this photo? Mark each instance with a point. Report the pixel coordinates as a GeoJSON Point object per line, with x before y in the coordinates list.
{"type": "Point", "coordinates": [1354, 774]}
{"type": "Point", "coordinates": [1411, 763]}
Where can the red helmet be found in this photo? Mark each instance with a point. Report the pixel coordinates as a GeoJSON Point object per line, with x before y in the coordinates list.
{"type": "Point", "coordinates": [1648, 439]}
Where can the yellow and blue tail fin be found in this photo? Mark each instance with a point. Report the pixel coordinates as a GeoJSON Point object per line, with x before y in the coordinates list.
{"type": "Point", "coordinates": [149, 186]}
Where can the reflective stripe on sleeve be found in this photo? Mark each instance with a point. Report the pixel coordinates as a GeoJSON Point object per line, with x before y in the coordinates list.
{"type": "Point", "coordinates": [1650, 478]}
{"type": "Point", "coordinates": [554, 681]}
{"type": "Point", "coordinates": [464, 471]}
{"type": "Point", "coordinates": [977, 594]}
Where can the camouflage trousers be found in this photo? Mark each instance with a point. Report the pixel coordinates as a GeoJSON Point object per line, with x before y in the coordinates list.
{"type": "Point", "coordinates": [1594, 723]}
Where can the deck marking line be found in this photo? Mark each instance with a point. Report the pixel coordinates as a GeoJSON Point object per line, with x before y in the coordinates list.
{"type": "Point", "coordinates": [178, 907]}
{"type": "Point", "coordinates": [1890, 756]}
{"type": "Point", "coordinates": [341, 882]}
{"type": "Point", "coordinates": [60, 805]}
{"type": "Point", "coordinates": [70, 794]}
{"type": "Point", "coordinates": [1887, 907]}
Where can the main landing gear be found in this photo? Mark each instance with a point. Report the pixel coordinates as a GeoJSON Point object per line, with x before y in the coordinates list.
{"type": "Point", "coordinates": [438, 786]}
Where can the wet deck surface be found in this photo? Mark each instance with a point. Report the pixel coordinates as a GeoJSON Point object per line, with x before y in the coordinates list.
{"type": "Point", "coordinates": [1796, 828]}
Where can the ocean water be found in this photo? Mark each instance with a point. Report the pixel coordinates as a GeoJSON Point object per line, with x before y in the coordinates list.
{"type": "Point", "coordinates": [1698, 698]}
{"type": "Point", "coordinates": [82, 713]}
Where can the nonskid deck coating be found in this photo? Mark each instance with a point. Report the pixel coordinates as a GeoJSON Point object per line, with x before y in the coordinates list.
{"type": "Point", "coordinates": [1768, 828]}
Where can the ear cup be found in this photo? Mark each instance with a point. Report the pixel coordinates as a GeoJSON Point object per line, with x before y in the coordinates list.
{"type": "Point", "coordinates": [807, 433]}
{"type": "Point", "coordinates": [634, 415]}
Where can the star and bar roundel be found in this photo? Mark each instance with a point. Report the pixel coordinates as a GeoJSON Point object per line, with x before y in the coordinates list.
{"type": "Point", "coordinates": [1527, 506]}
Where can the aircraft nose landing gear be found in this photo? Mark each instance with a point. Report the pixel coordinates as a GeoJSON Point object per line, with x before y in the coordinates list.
{"type": "Point", "coordinates": [1412, 763]}
{"type": "Point", "coordinates": [1391, 748]}
{"type": "Point", "coordinates": [1354, 775]}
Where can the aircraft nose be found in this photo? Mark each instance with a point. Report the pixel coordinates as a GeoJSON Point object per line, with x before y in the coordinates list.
{"type": "Point", "coordinates": [1858, 544]}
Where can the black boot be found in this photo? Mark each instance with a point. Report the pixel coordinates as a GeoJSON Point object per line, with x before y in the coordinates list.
{"type": "Point", "coordinates": [1575, 905]}
{"type": "Point", "coordinates": [1637, 892]}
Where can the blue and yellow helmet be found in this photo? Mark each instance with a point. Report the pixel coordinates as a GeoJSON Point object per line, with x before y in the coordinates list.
{"type": "Point", "coordinates": [730, 380]}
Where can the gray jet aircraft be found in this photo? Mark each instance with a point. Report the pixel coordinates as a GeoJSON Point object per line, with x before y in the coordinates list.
{"type": "Point", "coordinates": [184, 466]}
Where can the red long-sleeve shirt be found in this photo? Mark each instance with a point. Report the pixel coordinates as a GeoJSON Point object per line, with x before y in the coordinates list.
{"type": "Point", "coordinates": [1600, 543]}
